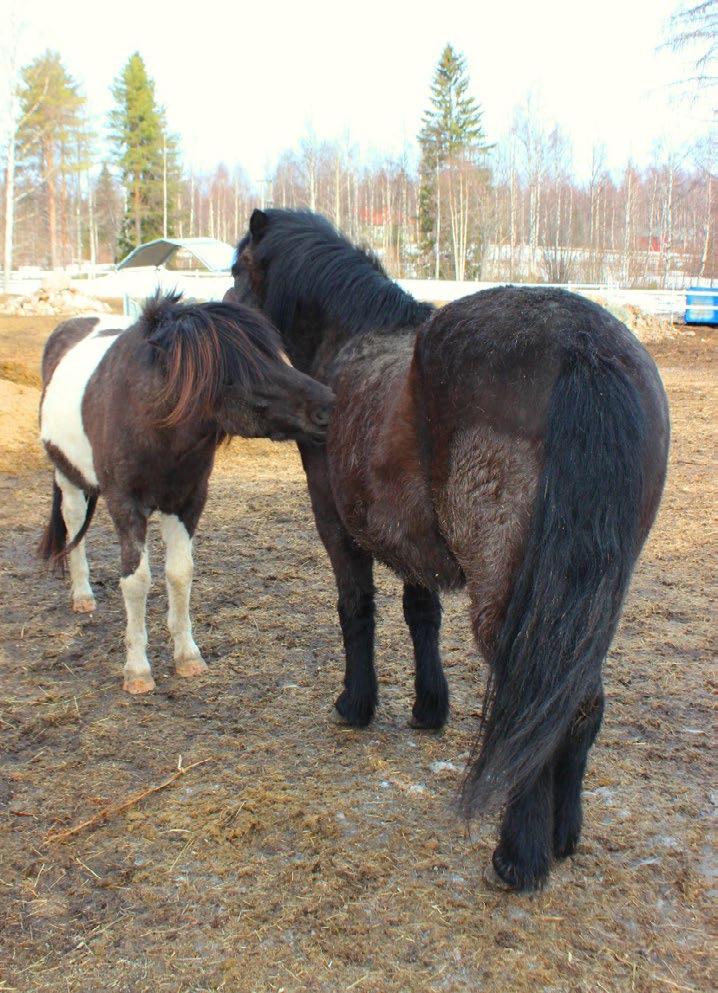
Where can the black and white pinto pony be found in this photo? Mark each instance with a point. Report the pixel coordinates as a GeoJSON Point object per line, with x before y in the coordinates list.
{"type": "Point", "coordinates": [136, 414]}
{"type": "Point", "coordinates": [514, 442]}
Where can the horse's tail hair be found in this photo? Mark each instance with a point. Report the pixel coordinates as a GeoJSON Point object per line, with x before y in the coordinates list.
{"type": "Point", "coordinates": [53, 547]}
{"type": "Point", "coordinates": [583, 541]}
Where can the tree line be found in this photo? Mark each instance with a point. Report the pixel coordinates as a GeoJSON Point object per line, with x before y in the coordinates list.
{"type": "Point", "coordinates": [506, 207]}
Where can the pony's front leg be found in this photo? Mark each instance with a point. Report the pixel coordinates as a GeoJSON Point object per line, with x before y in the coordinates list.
{"type": "Point", "coordinates": [357, 702]}
{"type": "Point", "coordinates": [422, 613]}
{"type": "Point", "coordinates": [74, 508]}
{"type": "Point", "coordinates": [178, 574]}
{"type": "Point", "coordinates": [352, 567]}
{"type": "Point", "coordinates": [135, 584]}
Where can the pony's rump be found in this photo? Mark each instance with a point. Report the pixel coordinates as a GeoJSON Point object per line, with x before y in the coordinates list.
{"type": "Point", "coordinates": [583, 541]}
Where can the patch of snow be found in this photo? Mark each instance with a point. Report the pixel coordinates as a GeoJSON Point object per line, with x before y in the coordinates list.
{"type": "Point", "coordinates": [437, 767]}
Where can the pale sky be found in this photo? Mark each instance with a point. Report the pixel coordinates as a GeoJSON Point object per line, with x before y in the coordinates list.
{"type": "Point", "coordinates": [242, 81]}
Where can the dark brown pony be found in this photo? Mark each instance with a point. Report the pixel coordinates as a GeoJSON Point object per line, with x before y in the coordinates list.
{"type": "Point", "coordinates": [514, 442]}
{"type": "Point", "coordinates": [136, 415]}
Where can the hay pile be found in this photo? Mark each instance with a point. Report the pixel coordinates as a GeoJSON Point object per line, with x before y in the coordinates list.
{"type": "Point", "coordinates": [57, 295]}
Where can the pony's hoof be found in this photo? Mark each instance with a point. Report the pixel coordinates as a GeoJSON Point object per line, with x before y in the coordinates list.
{"type": "Point", "coordinates": [514, 877]}
{"type": "Point", "coordinates": [494, 881]}
{"type": "Point", "coordinates": [432, 723]}
{"type": "Point", "coordinates": [431, 710]}
{"type": "Point", "coordinates": [138, 684]}
{"type": "Point", "coordinates": [84, 605]}
{"type": "Point", "coordinates": [188, 668]}
{"type": "Point", "coordinates": [355, 713]}
{"type": "Point", "coordinates": [565, 844]}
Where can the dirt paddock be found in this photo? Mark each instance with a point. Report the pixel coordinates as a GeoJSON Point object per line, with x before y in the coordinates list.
{"type": "Point", "coordinates": [301, 856]}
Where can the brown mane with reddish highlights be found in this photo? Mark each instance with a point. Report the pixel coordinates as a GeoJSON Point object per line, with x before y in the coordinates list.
{"type": "Point", "coordinates": [204, 348]}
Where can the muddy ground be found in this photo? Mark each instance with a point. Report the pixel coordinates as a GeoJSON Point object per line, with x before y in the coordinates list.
{"type": "Point", "coordinates": [306, 857]}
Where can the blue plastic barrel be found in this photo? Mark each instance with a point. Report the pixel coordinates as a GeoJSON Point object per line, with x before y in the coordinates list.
{"type": "Point", "coordinates": [702, 305]}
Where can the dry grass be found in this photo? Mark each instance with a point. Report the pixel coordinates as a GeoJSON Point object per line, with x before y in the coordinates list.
{"type": "Point", "coordinates": [307, 857]}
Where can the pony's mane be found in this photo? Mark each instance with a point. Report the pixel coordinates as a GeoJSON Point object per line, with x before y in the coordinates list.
{"type": "Point", "coordinates": [305, 261]}
{"type": "Point", "coordinates": [203, 348]}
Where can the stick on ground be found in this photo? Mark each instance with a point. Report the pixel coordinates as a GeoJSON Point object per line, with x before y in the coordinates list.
{"type": "Point", "coordinates": [117, 808]}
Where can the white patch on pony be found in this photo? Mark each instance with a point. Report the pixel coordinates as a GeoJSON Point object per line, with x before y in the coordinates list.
{"type": "Point", "coordinates": [61, 412]}
{"type": "Point", "coordinates": [138, 674]}
{"type": "Point", "coordinates": [178, 573]}
{"type": "Point", "coordinates": [74, 509]}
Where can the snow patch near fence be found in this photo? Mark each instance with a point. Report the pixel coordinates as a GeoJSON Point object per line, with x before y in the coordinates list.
{"type": "Point", "coordinates": [136, 284]}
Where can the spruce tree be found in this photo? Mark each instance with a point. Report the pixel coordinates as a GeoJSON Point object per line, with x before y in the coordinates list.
{"type": "Point", "coordinates": [145, 154]}
{"type": "Point", "coordinates": [108, 214]}
{"type": "Point", "coordinates": [451, 130]}
{"type": "Point", "coordinates": [51, 133]}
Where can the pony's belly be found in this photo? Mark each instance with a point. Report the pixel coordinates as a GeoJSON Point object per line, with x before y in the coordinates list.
{"type": "Point", "coordinates": [379, 484]}
{"type": "Point", "coordinates": [419, 556]}
{"type": "Point", "coordinates": [61, 424]}
{"type": "Point", "coordinates": [399, 528]}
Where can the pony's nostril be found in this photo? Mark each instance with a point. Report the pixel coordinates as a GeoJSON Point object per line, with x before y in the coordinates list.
{"type": "Point", "coordinates": [321, 415]}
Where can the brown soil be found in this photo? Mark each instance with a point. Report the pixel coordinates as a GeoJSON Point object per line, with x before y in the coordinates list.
{"type": "Point", "coordinates": [304, 856]}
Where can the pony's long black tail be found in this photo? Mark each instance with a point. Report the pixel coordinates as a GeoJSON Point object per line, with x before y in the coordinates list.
{"type": "Point", "coordinates": [583, 541]}
{"type": "Point", "coordinates": [53, 546]}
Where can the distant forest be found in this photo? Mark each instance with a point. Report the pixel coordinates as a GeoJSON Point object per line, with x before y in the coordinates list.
{"type": "Point", "coordinates": [494, 207]}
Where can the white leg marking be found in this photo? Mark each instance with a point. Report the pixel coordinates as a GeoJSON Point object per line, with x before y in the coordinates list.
{"type": "Point", "coordinates": [74, 507]}
{"type": "Point", "coordinates": [178, 573]}
{"type": "Point", "coordinates": [138, 674]}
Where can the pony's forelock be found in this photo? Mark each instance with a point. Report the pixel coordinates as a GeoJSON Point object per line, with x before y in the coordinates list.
{"type": "Point", "coordinates": [204, 347]}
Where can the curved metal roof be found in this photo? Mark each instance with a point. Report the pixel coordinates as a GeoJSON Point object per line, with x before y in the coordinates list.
{"type": "Point", "coordinates": [215, 255]}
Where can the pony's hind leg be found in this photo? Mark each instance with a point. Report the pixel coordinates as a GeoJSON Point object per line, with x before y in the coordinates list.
{"type": "Point", "coordinates": [569, 769]}
{"type": "Point", "coordinates": [422, 613]}
{"type": "Point", "coordinates": [544, 820]}
{"type": "Point", "coordinates": [74, 509]}
{"type": "Point", "coordinates": [522, 858]}
{"type": "Point", "coordinates": [178, 573]}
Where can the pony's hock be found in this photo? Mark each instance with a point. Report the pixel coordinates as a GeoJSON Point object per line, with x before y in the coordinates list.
{"type": "Point", "coordinates": [514, 442]}
{"type": "Point", "coordinates": [136, 415]}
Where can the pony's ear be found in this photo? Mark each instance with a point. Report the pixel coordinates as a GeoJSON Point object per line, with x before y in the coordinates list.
{"type": "Point", "coordinates": [258, 224]}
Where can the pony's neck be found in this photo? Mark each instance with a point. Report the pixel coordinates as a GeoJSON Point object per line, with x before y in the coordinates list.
{"type": "Point", "coordinates": [318, 333]}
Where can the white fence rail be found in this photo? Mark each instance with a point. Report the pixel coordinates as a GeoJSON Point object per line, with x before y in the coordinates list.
{"type": "Point", "coordinates": [139, 283]}
{"type": "Point", "coordinates": [668, 303]}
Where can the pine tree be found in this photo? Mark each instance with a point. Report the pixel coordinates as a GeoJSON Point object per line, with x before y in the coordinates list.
{"type": "Point", "coordinates": [146, 155]}
{"type": "Point", "coordinates": [451, 131]}
{"type": "Point", "coordinates": [51, 134]}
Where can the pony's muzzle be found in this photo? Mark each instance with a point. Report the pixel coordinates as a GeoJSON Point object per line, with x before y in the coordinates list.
{"type": "Point", "coordinates": [321, 414]}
